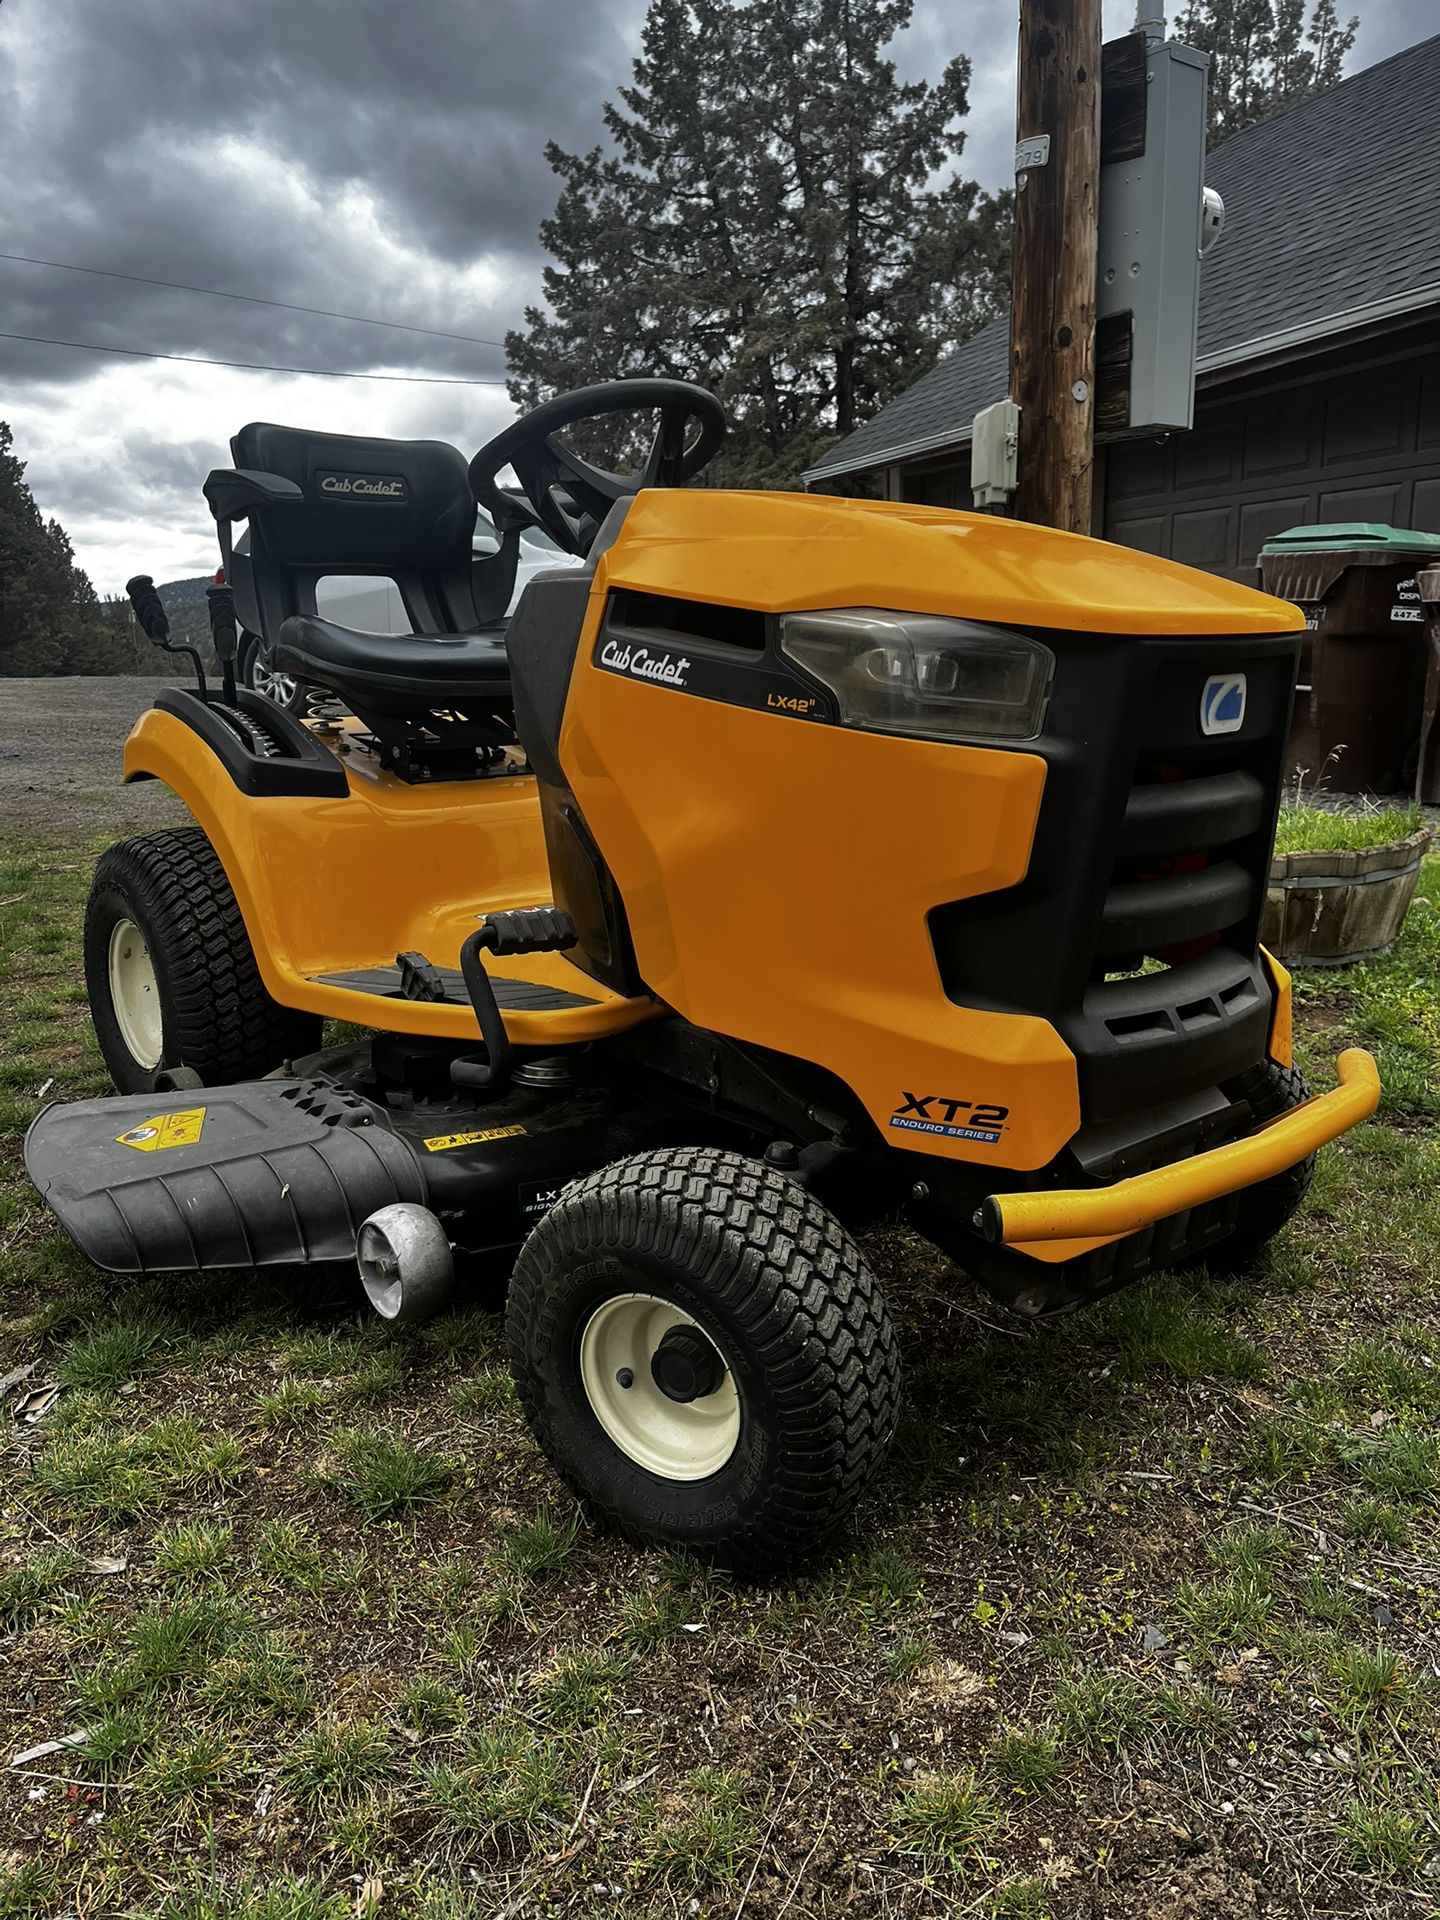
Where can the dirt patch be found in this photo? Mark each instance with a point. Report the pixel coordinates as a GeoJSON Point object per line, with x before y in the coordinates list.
{"type": "Point", "coordinates": [61, 742]}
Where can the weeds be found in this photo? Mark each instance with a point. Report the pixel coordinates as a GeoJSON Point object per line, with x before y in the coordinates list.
{"type": "Point", "coordinates": [538, 1548]}
{"type": "Point", "coordinates": [1101, 1710]}
{"type": "Point", "coordinates": [337, 1764]}
{"type": "Point", "coordinates": [1026, 1758]}
{"type": "Point", "coordinates": [704, 1831]}
{"type": "Point", "coordinates": [381, 1475]}
{"type": "Point", "coordinates": [949, 1817]}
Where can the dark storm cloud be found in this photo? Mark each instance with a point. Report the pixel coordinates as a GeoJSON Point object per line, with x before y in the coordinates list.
{"type": "Point", "coordinates": [117, 124]}
{"type": "Point", "coordinates": [380, 157]}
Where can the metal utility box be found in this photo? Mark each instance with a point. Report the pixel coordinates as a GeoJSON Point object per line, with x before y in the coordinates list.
{"type": "Point", "coordinates": [1152, 185]}
{"type": "Point", "coordinates": [994, 453]}
{"type": "Point", "coordinates": [1360, 696]}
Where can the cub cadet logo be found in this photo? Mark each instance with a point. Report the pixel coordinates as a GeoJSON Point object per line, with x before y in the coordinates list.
{"type": "Point", "coordinates": [363, 486]}
{"type": "Point", "coordinates": [934, 1113]}
{"type": "Point", "coordinates": [1222, 703]}
{"type": "Point", "coordinates": [790, 703]}
{"type": "Point", "coordinates": [641, 664]}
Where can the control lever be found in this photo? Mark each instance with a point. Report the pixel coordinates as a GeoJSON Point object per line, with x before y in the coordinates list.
{"type": "Point", "coordinates": [225, 634]}
{"type": "Point", "coordinates": [150, 612]}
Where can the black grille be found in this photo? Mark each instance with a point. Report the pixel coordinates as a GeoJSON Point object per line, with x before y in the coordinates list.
{"type": "Point", "coordinates": [1176, 997]}
{"type": "Point", "coordinates": [1135, 929]}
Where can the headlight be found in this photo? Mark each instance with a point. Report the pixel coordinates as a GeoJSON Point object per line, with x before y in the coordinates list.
{"type": "Point", "coordinates": [924, 674]}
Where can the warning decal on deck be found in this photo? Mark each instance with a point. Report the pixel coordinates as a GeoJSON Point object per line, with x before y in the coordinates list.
{"type": "Point", "coordinates": [441, 1141]}
{"type": "Point", "coordinates": [165, 1130]}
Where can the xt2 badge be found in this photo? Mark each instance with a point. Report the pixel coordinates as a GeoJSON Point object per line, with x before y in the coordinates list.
{"type": "Point", "coordinates": [954, 1119]}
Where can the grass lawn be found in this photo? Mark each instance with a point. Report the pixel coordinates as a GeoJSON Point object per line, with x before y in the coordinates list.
{"type": "Point", "coordinates": [1140, 1623]}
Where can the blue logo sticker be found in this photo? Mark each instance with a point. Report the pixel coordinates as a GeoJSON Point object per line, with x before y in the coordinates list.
{"type": "Point", "coordinates": [1222, 704]}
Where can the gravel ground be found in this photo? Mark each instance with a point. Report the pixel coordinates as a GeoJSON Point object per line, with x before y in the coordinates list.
{"type": "Point", "coordinates": [60, 748]}
{"type": "Point", "coordinates": [61, 742]}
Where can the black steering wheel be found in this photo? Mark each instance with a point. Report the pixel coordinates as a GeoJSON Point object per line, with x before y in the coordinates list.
{"type": "Point", "coordinates": [566, 495]}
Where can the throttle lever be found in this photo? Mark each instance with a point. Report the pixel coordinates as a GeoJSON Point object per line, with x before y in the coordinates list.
{"type": "Point", "coordinates": [150, 612]}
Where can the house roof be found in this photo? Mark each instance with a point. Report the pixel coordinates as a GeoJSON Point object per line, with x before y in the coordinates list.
{"type": "Point", "coordinates": [1332, 216]}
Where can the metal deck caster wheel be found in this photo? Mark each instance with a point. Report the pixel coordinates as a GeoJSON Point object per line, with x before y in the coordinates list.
{"type": "Point", "coordinates": [407, 1267]}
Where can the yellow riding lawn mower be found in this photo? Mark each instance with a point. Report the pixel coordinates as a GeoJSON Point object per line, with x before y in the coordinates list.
{"type": "Point", "coordinates": [792, 864]}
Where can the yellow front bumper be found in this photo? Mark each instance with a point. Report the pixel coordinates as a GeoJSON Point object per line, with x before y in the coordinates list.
{"type": "Point", "coordinates": [1108, 1213]}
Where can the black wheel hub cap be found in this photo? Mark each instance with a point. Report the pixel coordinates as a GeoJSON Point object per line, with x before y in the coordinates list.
{"type": "Point", "coordinates": [685, 1366]}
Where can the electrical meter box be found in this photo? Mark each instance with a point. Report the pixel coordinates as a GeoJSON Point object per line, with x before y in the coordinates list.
{"type": "Point", "coordinates": [1152, 185]}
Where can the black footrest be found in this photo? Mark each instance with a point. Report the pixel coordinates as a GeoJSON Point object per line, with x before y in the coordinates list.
{"type": "Point", "coordinates": [528, 930]}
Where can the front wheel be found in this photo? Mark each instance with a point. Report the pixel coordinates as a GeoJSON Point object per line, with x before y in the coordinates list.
{"type": "Point", "coordinates": [705, 1356]}
{"type": "Point", "coordinates": [171, 976]}
{"type": "Point", "coordinates": [1266, 1207]}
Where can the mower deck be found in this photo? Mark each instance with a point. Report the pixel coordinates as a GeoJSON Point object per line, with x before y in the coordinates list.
{"type": "Point", "coordinates": [282, 1171]}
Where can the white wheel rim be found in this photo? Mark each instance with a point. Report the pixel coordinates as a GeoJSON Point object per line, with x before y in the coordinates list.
{"type": "Point", "coordinates": [279, 687]}
{"type": "Point", "coordinates": [135, 994]}
{"type": "Point", "coordinates": [674, 1439]}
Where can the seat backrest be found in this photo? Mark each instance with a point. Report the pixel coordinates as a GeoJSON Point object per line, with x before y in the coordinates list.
{"type": "Point", "coordinates": [397, 509]}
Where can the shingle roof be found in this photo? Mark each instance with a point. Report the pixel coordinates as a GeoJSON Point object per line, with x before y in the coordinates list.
{"type": "Point", "coordinates": [1331, 205]}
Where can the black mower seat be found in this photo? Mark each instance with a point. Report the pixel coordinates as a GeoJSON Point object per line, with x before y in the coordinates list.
{"type": "Point", "coordinates": [434, 668]}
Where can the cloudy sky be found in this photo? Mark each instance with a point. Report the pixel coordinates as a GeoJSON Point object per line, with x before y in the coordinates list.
{"type": "Point", "coordinates": [374, 157]}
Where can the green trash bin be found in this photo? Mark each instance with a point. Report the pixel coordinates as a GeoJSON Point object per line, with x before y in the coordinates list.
{"type": "Point", "coordinates": [1361, 687]}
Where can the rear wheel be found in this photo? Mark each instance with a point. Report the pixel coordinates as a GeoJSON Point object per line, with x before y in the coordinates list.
{"type": "Point", "coordinates": [704, 1355]}
{"type": "Point", "coordinates": [170, 973]}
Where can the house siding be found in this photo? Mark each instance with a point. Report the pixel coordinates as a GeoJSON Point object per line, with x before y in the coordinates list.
{"type": "Point", "coordinates": [1358, 446]}
{"type": "Point", "coordinates": [1363, 445]}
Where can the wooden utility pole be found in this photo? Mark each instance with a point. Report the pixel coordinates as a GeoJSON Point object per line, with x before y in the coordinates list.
{"type": "Point", "coordinates": [1052, 314]}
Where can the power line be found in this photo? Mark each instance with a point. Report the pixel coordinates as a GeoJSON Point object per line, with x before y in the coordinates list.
{"type": "Point", "coordinates": [252, 299]}
{"type": "Point", "coordinates": [252, 366]}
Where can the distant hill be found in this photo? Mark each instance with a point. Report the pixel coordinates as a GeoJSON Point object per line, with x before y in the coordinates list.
{"type": "Point", "coordinates": [186, 593]}
{"type": "Point", "coordinates": [184, 601]}
{"type": "Point", "coordinates": [189, 615]}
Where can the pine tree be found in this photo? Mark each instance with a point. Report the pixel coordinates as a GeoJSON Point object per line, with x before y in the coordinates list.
{"type": "Point", "coordinates": [1264, 55]}
{"type": "Point", "coordinates": [50, 620]}
{"type": "Point", "coordinates": [777, 217]}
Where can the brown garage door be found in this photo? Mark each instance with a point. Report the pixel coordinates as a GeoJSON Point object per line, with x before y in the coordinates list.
{"type": "Point", "coordinates": [1362, 446]}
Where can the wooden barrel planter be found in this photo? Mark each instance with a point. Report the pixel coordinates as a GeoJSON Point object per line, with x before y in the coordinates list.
{"type": "Point", "coordinates": [1325, 909]}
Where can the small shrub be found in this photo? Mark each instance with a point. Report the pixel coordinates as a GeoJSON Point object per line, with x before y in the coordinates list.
{"type": "Point", "coordinates": [1375, 1522]}
{"type": "Point", "coordinates": [491, 1391]}
{"type": "Point", "coordinates": [1366, 1680]}
{"type": "Point", "coordinates": [651, 1618]}
{"type": "Point", "coordinates": [511, 1782]}
{"type": "Point", "coordinates": [191, 1550]}
{"type": "Point", "coordinates": [579, 1684]}
{"type": "Point", "coordinates": [26, 1590]}
{"type": "Point", "coordinates": [904, 1658]}
{"type": "Point", "coordinates": [190, 1771]}
{"type": "Point", "coordinates": [102, 1360]}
